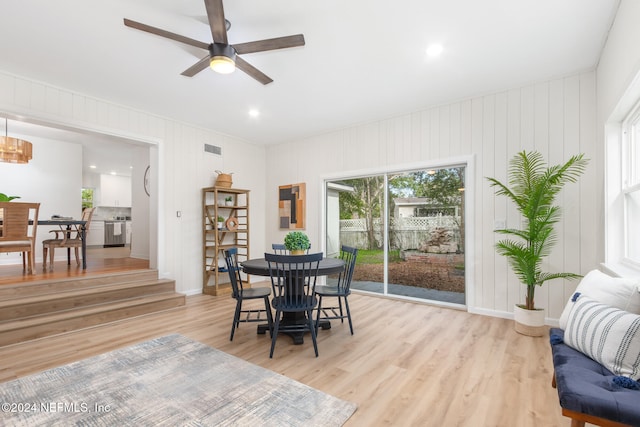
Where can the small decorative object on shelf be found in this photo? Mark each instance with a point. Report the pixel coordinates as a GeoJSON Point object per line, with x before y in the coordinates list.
{"type": "Point", "coordinates": [231, 223]}
{"type": "Point", "coordinates": [224, 180]}
{"type": "Point", "coordinates": [228, 201]}
{"type": "Point", "coordinates": [296, 242]}
{"type": "Point", "coordinates": [220, 222]}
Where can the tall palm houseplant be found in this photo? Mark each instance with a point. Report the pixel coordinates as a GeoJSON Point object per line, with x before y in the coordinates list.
{"type": "Point", "coordinates": [533, 187]}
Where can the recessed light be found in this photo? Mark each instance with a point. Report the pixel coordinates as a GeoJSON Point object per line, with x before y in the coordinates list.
{"type": "Point", "coordinates": [434, 50]}
{"type": "Point", "coordinates": [254, 113]}
{"type": "Point", "coordinates": [113, 172]}
{"type": "Point", "coordinates": [92, 166]}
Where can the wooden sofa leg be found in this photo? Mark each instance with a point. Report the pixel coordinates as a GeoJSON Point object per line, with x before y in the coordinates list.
{"type": "Point", "coordinates": [579, 419]}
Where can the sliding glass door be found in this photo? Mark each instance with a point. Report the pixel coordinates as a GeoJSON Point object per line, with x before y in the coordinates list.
{"type": "Point", "coordinates": [409, 229]}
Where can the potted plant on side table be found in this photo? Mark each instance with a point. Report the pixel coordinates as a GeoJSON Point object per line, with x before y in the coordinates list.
{"type": "Point", "coordinates": [296, 242]}
{"type": "Point", "coordinates": [533, 187]}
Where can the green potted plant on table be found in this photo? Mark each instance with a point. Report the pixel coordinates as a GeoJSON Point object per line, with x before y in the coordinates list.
{"type": "Point", "coordinates": [296, 242]}
{"type": "Point", "coordinates": [533, 187]}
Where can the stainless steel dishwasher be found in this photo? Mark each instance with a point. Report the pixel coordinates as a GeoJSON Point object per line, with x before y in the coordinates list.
{"type": "Point", "coordinates": [115, 234]}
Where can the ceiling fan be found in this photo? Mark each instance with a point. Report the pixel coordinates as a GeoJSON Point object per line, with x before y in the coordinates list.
{"type": "Point", "coordinates": [223, 57]}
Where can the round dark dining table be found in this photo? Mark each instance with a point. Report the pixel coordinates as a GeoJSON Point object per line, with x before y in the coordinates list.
{"type": "Point", "coordinates": [260, 267]}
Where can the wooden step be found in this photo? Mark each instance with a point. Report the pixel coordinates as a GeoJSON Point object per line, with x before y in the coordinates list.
{"type": "Point", "coordinates": [34, 327]}
{"type": "Point", "coordinates": [80, 297]}
{"type": "Point", "coordinates": [37, 309]}
{"type": "Point", "coordinates": [19, 290]}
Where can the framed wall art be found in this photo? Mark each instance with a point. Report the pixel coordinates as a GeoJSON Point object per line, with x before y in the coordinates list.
{"type": "Point", "coordinates": [292, 206]}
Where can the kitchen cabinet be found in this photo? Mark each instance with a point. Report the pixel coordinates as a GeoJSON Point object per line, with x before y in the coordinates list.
{"type": "Point", "coordinates": [96, 234]}
{"type": "Point", "coordinates": [233, 232]}
{"type": "Point", "coordinates": [115, 190]}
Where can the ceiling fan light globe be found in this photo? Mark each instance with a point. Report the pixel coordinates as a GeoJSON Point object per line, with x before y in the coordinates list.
{"type": "Point", "coordinates": [223, 58]}
{"type": "Point", "coordinates": [222, 64]}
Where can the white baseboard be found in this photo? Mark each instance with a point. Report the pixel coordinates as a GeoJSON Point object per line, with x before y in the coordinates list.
{"type": "Point", "coordinates": [507, 315]}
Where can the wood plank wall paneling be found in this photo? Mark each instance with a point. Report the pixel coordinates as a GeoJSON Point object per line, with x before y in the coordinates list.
{"type": "Point", "coordinates": [545, 116]}
{"type": "Point", "coordinates": [593, 177]}
{"type": "Point", "coordinates": [555, 117]}
{"type": "Point", "coordinates": [541, 144]}
{"type": "Point", "coordinates": [556, 155]}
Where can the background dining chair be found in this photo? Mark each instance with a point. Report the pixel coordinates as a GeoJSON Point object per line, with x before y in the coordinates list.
{"type": "Point", "coordinates": [240, 294]}
{"type": "Point", "coordinates": [279, 248]}
{"type": "Point", "coordinates": [293, 281]}
{"type": "Point", "coordinates": [340, 290]}
{"type": "Point", "coordinates": [66, 238]}
{"type": "Point", "coordinates": [18, 232]}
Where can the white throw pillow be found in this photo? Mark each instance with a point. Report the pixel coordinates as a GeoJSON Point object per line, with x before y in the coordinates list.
{"type": "Point", "coordinates": [618, 292]}
{"type": "Point", "coordinates": [608, 335]}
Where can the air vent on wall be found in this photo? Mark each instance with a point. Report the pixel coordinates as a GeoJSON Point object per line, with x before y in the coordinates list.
{"type": "Point", "coordinates": [213, 149]}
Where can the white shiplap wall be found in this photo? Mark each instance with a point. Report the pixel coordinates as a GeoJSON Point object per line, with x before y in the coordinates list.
{"type": "Point", "coordinates": [557, 118]}
{"type": "Point", "coordinates": [183, 168]}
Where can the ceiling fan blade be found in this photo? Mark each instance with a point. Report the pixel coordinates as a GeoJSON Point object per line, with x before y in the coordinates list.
{"type": "Point", "coordinates": [270, 44]}
{"type": "Point", "coordinates": [215, 13]}
{"type": "Point", "coordinates": [197, 67]}
{"type": "Point", "coordinates": [252, 71]}
{"type": "Point", "coordinates": [163, 33]}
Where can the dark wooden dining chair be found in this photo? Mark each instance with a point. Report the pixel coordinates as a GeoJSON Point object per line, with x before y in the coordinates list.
{"type": "Point", "coordinates": [340, 290]}
{"type": "Point", "coordinates": [293, 282]}
{"type": "Point", "coordinates": [18, 231]}
{"type": "Point", "coordinates": [241, 294]}
{"type": "Point", "coordinates": [66, 238]}
{"type": "Point", "coordinates": [279, 248]}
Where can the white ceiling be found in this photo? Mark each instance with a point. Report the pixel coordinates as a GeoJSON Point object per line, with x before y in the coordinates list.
{"type": "Point", "coordinates": [363, 60]}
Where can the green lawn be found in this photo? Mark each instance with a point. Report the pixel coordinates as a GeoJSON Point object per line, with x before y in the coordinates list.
{"type": "Point", "coordinates": [375, 256]}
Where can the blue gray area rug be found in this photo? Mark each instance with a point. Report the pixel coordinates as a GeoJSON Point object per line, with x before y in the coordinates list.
{"type": "Point", "coordinates": [168, 381]}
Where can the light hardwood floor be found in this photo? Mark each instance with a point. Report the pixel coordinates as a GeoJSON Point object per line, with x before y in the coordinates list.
{"type": "Point", "coordinates": [99, 261]}
{"type": "Point", "coordinates": [408, 364]}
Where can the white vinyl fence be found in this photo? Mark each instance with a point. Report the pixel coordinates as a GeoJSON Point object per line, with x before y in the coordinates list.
{"type": "Point", "coordinates": [433, 234]}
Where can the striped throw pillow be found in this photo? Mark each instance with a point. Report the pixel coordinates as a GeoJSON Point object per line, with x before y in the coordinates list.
{"type": "Point", "coordinates": [608, 335]}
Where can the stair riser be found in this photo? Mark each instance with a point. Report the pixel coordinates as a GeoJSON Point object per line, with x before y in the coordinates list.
{"type": "Point", "coordinates": [80, 322]}
{"type": "Point", "coordinates": [20, 310]}
{"type": "Point", "coordinates": [51, 287]}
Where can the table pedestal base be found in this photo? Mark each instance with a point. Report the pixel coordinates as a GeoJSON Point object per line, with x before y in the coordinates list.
{"type": "Point", "coordinates": [294, 320]}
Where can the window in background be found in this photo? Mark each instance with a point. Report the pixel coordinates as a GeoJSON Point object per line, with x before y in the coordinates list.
{"type": "Point", "coordinates": [87, 198]}
{"type": "Point", "coordinates": [631, 185]}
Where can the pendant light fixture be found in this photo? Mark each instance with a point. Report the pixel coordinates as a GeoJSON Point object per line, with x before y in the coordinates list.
{"type": "Point", "coordinates": [14, 150]}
